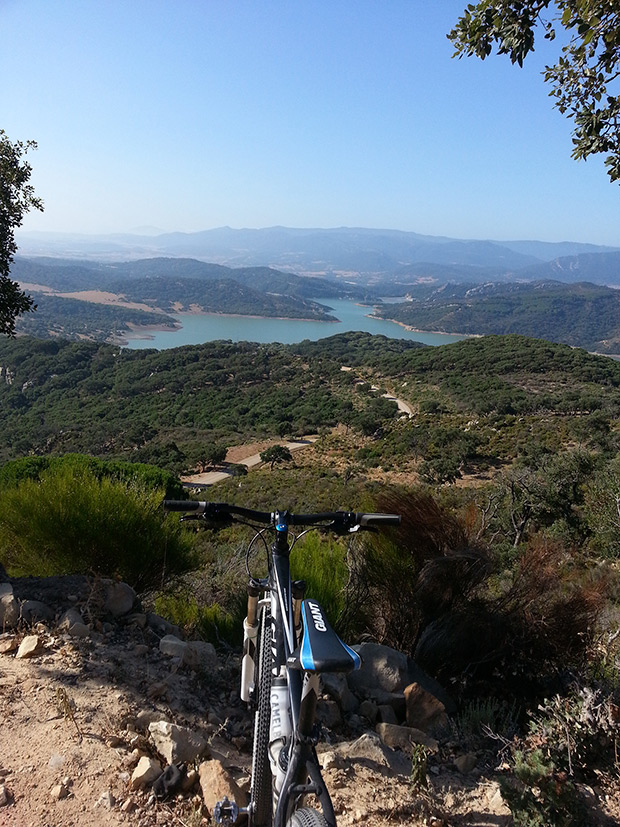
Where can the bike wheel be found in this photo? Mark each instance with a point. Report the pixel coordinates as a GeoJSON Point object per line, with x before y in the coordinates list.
{"type": "Point", "coordinates": [306, 817]}
{"type": "Point", "coordinates": [261, 794]}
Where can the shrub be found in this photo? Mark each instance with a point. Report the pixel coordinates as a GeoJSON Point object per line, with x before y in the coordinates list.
{"type": "Point", "coordinates": [321, 562]}
{"type": "Point", "coordinates": [403, 578]}
{"type": "Point", "coordinates": [71, 521]}
{"type": "Point", "coordinates": [150, 476]}
{"type": "Point", "coordinates": [570, 739]}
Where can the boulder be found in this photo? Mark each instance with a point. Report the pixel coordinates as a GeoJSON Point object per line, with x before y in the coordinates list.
{"type": "Point", "coordinates": [424, 710]}
{"type": "Point", "coordinates": [217, 783]}
{"type": "Point", "coordinates": [335, 684]}
{"type": "Point", "coordinates": [120, 599]}
{"type": "Point", "coordinates": [403, 737]}
{"type": "Point", "coordinates": [9, 608]}
{"type": "Point", "coordinates": [34, 610]}
{"type": "Point", "coordinates": [369, 751]}
{"type": "Point", "coordinates": [173, 646]}
{"type": "Point", "coordinates": [382, 669]}
{"type": "Point", "coordinates": [73, 624]}
{"type": "Point", "coordinates": [176, 743]}
{"type": "Point", "coordinates": [30, 645]}
{"type": "Point", "coordinates": [147, 771]}
{"type": "Point", "coordinates": [161, 626]}
{"type": "Point", "coordinates": [8, 643]}
{"type": "Point", "coordinates": [200, 654]}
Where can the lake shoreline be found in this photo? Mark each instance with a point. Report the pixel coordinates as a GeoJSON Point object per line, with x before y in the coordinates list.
{"type": "Point", "coordinates": [350, 315]}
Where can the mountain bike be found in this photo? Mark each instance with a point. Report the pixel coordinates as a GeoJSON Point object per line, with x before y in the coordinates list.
{"type": "Point", "coordinates": [288, 643]}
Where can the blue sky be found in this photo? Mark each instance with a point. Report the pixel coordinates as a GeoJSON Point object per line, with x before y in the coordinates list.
{"type": "Point", "coordinates": [192, 114]}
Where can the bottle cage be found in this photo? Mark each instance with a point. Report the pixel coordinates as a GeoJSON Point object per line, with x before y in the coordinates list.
{"type": "Point", "coordinates": [321, 650]}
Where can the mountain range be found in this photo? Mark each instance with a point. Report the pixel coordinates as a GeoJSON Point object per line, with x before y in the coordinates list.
{"type": "Point", "coordinates": [362, 254]}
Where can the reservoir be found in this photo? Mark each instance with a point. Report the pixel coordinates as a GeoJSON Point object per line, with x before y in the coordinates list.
{"type": "Point", "coordinates": [199, 328]}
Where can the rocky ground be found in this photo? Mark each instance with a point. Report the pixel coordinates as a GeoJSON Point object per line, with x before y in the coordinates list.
{"type": "Point", "coordinates": [108, 717]}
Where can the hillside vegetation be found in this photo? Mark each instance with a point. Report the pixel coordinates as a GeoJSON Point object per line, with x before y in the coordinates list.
{"type": "Point", "coordinates": [501, 581]}
{"type": "Point", "coordinates": [583, 315]}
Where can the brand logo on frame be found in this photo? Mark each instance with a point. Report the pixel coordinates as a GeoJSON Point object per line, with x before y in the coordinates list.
{"type": "Point", "coordinates": [317, 617]}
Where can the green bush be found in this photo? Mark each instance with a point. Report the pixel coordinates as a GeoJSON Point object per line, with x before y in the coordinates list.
{"type": "Point", "coordinates": [150, 476]}
{"type": "Point", "coordinates": [71, 521]}
{"type": "Point", "coordinates": [570, 740]}
{"type": "Point", "coordinates": [321, 562]}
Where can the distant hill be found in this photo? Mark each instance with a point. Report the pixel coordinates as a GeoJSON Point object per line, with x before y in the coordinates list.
{"type": "Point", "coordinates": [599, 268]}
{"type": "Point", "coordinates": [166, 285]}
{"type": "Point", "coordinates": [336, 252]}
{"type": "Point", "coordinates": [582, 314]}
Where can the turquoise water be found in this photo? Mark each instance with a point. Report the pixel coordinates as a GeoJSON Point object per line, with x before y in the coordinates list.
{"type": "Point", "coordinates": [206, 328]}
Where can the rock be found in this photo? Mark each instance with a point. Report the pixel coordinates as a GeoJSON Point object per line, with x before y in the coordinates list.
{"type": "Point", "coordinates": [369, 750]}
{"type": "Point", "coordinates": [147, 771]}
{"type": "Point", "coordinates": [176, 743]}
{"type": "Point", "coordinates": [129, 805]}
{"type": "Point", "coordinates": [137, 618]}
{"type": "Point", "coordinates": [120, 599]}
{"type": "Point", "coordinates": [29, 646]}
{"type": "Point", "coordinates": [146, 717]}
{"type": "Point", "coordinates": [402, 737]}
{"type": "Point", "coordinates": [424, 710]}
{"type": "Point", "coordinates": [4, 796]}
{"type": "Point", "coordinates": [335, 684]}
{"type": "Point", "coordinates": [9, 609]}
{"type": "Point", "coordinates": [386, 714]}
{"type": "Point", "coordinates": [106, 800]}
{"type": "Point", "coordinates": [369, 710]}
{"type": "Point", "coordinates": [465, 763]}
{"type": "Point", "coordinates": [172, 646]}
{"type": "Point", "coordinates": [34, 610]}
{"type": "Point", "coordinates": [73, 623]}
{"type": "Point", "coordinates": [161, 626]}
{"type": "Point", "coordinates": [386, 672]}
{"type": "Point", "coordinates": [216, 783]}
{"type": "Point", "coordinates": [189, 781]}
{"type": "Point", "coordinates": [58, 792]}
{"type": "Point", "coordinates": [200, 654]}
{"type": "Point", "coordinates": [330, 760]}
{"type": "Point", "coordinates": [382, 668]}
{"type": "Point", "coordinates": [328, 713]}
{"type": "Point", "coordinates": [8, 643]}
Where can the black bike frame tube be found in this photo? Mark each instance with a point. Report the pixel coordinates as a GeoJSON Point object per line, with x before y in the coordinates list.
{"type": "Point", "coordinates": [303, 762]}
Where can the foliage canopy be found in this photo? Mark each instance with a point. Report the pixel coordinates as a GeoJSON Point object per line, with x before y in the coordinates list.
{"type": "Point", "coordinates": [583, 79]}
{"type": "Point", "coordinates": [16, 199]}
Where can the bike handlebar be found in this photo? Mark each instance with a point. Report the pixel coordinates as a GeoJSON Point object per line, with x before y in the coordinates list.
{"type": "Point", "coordinates": [337, 519]}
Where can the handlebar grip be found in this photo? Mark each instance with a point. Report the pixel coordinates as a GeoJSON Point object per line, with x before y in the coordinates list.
{"type": "Point", "coordinates": [183, 505]}
{"type": "Point", "coordinates": [378, 519]}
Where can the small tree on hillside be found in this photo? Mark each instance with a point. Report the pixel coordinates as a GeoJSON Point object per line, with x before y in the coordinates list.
{"type": "Point", "coordinates": [275, 454]}
{"type": "Point", "coordinates": [16, 198]}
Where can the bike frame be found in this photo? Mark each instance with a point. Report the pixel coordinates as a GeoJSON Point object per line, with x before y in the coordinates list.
{"type": "Point", "coordinates": [285, 767]}
{"type": "Point", "coordinates": [303, 689]}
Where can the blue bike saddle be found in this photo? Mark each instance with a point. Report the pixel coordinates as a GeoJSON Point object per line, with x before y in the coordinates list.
{"type": "Point", "coordinates": [321, 650]}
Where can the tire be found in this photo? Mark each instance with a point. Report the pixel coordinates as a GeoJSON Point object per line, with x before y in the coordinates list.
{"type": "Point", "coordinates": [306, 817]}
{"type": "Point", "coordinates": [262, 786]}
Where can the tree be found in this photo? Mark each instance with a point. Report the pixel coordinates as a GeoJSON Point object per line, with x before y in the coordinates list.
{"type": "Point", "coordinates": [587, 67]}
{"type": "Point", "coordinates": [16, 199]}
{"type": "Point", "coordinates": [275, 454]}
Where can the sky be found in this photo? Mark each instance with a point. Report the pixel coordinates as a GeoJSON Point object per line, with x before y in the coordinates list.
{"type": "Point", "coordinates": [185, 115]}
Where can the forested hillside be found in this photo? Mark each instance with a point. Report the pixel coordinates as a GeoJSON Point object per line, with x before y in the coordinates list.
{"type": "Point", "coordinates": [584, 315]}
{"type": "Point", "coordinates": [477, 402]}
